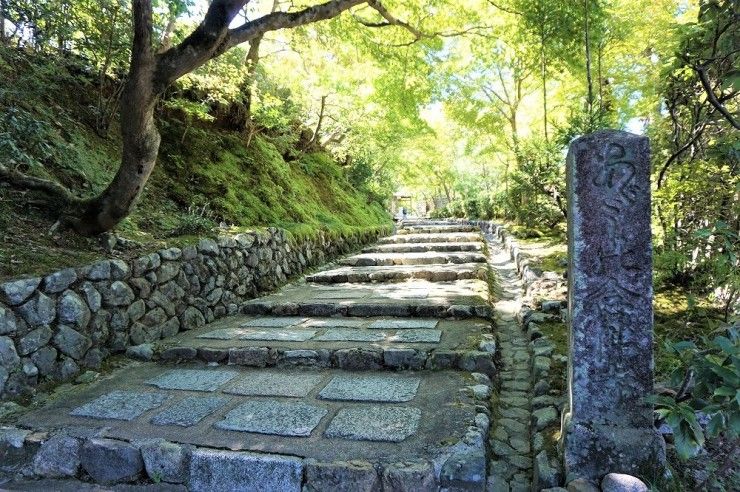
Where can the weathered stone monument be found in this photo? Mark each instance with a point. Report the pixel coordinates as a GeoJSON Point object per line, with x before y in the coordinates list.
{"type": "Point", "coordinates": [609, 427]}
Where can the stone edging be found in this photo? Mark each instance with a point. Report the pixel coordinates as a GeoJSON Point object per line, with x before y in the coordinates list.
{"type": "Point", "coordinates": [52, 327]}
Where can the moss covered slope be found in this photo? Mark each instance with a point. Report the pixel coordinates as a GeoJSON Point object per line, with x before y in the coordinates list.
{"type": "Point", "coordinates": [205, 177]}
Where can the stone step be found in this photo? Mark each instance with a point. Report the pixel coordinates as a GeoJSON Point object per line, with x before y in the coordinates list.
{"type": "Point", "coordinates": [408, 222]}
{"type": "Point", "coordinates": [423, 258]}
{"type": "Point", "coordinates": [437, 229]}
{"type": "Point", "coordinates": [434, 273]}
{"type": "Point", "coordinates": [424, 247]}
{"type": "Point", "coordinates": [450, 237]}
{"type": "Point", "coordinates": [346, 343]}
{"type": "Point", "coordinates": [235, 428]}
{"type": "Point", "coordinates": [411, 298]}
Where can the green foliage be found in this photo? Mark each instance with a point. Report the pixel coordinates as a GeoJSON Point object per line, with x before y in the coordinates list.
{"type": "Point", "coordinates": [714, 369]}
{"type": "Point", "coordinates": [537, 184]}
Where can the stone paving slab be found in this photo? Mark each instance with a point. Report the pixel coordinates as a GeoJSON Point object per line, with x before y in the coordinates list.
{"type": "Point", "coordinates": [120, 405]}
{"type": "Point", "coordinates": [298, 426]}
{"type": "Point", "coordinates": [273, 417]}
{"type": "Point", "coordinates": [190, 410]}
{"type": "Point", "coordinates": [424, 247]}
{"type": "Point", "coordinates": [273, 322]}
{"type": "Point", "coordinates": [274, 383]}
{"type": "Point", "coordinates": [423, 258]}
{"type": "Point", "coordinates": [350, 335]}
{"type": "Point", "coordinates": [192, 379]}
{"type": "Point", "coordinates": [279, 335]}
{"type": "Point", "coordinates": [375, 423]}
{"type": "Point", "coordinates": [371, 388]}
{"type": "Point", "coordinates": [454, 237]}
{"type": "Point", "coordinates": [432, 272]}
{"type": "Point", "coordinates": [416, 336]}
{"type": "Point", "coordinates": [404, 324]}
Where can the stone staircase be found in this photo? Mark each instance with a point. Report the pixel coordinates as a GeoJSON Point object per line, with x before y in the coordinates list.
{"type": "Point", "coordinates": [374, 374]}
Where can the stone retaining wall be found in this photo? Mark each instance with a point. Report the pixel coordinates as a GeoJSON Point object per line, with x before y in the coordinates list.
{"type": "Point", "coordinates": [54, 326]}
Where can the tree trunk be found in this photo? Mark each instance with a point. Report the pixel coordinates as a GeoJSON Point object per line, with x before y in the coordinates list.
{"type": "Point", "coordinates": [3, 14]}
{"type": "Point", "coordinates": [543, 57]}
{"type": "Point", "coordinates": [315, 137]}
{"type": "Point", "coordinates": [589, 83]}
{"type": "Point", "coordinates": [139, 134]}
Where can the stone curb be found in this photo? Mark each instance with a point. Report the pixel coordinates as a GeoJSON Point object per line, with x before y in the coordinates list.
{"type": "Point", "coordinates": [366, 310]}
{"type": "Point", "coordinates": [354, 359]}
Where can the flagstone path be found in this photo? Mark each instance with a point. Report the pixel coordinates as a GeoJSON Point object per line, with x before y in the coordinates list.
{"type": "Point", "coordinates": [376, 373]}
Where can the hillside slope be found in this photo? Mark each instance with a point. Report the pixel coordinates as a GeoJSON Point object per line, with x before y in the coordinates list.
{"type": "Point", "coordinates": [205, 177]}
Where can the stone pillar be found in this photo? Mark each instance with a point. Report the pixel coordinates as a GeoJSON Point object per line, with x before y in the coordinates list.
{"type": "Point", "coordinates": [608, 426]}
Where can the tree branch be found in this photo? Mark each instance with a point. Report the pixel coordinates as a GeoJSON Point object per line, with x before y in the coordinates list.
{"type": "Point", "coordinates": [375, 4]}
{"type": "Point", "coordinates": [712, 97]}
{"type": "Point", "coordinates": [201, 45]}
{"type": "Point", "coordinates": [284, 20]}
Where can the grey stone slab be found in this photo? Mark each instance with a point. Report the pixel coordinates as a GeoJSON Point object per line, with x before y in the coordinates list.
{"type": "Point", "coordinates": [189, 411]}
{"type": "Point", "coordinates": [120, 405]}
{"type": "Point", "coordinates": [192, 379]}
{"type": "Point", "coordinates": [273, 417]}
{"type": "Point", "coordinates": [417, 336]}
{"type": "Point", "coordinates": [370, 388]}
{"type": "Point", "coordinates": [267, 383]}
{"type": "Point", "coordinates": [350, 335]}
{"type": "Point", "coordinates": [213, 470]}
{"type": "Point", "coordinates": [278, 335]}
{"type": "Point", "coordinates": [224, 334]}
{"type": "Point", "coordinates": [403, 324]}
{"type": "Point", "coordinates": [375, 423]}
{"type": "Point", "coordinates": [335, 323]}
{"type": "Point", "coordinates": [341, 294]}
{"type": "Point", "coordinates": [274, 322]}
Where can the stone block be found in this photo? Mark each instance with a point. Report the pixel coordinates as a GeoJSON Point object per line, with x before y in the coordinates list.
{"type": "Point", "coordinates": [34, 340]}
{"type": "Point", "coordinates": [212, 470]}
{"type": "Point", "coordinates": [409, 476]}
{"type": "Point", "coordinates": [59, 281]}
{"type": "Point", "coordinates": [359, 359]}
{"type": "Point", "coordinates": [464, 470]}
{"type": "Point", "coordinates": [15, 452]}
{"type": "Point", "coordinates": [250, 356]}
{"type": "Point", "coordinates": [108, 461]}
{"type": "Point", "coordinates": [341, 476]}
{"type": "Point", "coordinates": [165, 461]}
{"type": "Point", "coordinates": [38, 311]}
{"type": "Point", "coordinates": [17, 291]}
{"type": "Point", "coordinates": [58, 457]}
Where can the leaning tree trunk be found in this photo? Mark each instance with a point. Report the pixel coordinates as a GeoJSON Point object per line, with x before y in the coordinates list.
{"type": "Point", "coordinates": [140, 143]}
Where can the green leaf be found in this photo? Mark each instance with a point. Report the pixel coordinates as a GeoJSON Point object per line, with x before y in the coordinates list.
{"type": "Point", "coordinates": [725, 391]}
{"type": "Point", "coordinates": [716, 424]}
